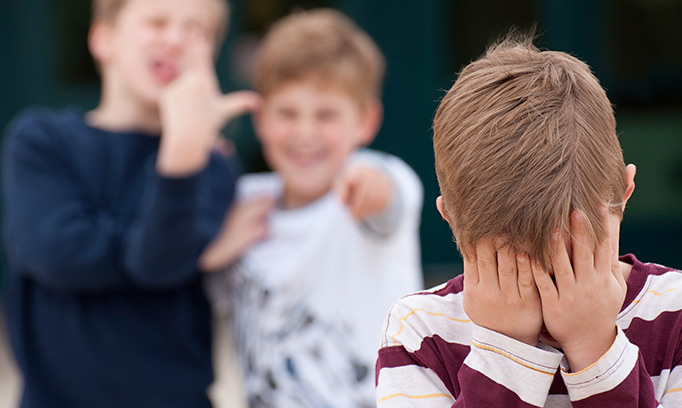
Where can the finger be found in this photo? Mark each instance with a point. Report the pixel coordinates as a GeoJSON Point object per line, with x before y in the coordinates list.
{"type": "Point", "coordinates": [384, 194]}
{"type": "Point", "coordinates": [526, 283]}
{"type": "Point", "coordinates": [364, 199]}
{"type": "Point", "coordinates": [199, 52]}
{"type": "Point", "coordinates": [343, 186]}
{"type": "Point", "coordinates": [261, 207]}
{"type": "Point", "coordinates": [486, 262]}
{"type": "Point", "coordinates": [582, 247]}
{"type": "Point", "coordinates": [603, 254]}
{"type": "Point", "coordinates": [563, 270]}
{"type": "Point", "coordinates": [506, 269]}
{"type": "Point", "coordinates": [249, 210]}
{"type": "Point", "coordinates": [471, 277]}
{"type": "Point", "coordinates": [238, 103]}
{"type": "Point", "coordinates": [546, 288]}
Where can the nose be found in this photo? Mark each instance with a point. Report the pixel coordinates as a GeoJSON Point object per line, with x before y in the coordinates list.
{"type": "Point", "coordinates": [176, 36]}
{"type": "Point", "coordinates": [305, 129]}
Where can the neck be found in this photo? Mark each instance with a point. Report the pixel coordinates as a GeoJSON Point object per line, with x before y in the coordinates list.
{"type": "Point", "coordinates": [118, 111]}
{"type": "Point", "coordinates": [625, 269]}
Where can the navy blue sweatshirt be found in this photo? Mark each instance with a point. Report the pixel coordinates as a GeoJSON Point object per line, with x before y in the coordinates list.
{"type": "Point", "coordinates": [105, 306]}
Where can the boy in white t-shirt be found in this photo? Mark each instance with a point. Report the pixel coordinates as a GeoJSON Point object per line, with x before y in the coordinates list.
{"type": "Point", "coordinates": [318, 250]}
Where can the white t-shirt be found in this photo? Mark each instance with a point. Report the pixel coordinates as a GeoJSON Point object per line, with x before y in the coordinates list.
{"type": "Point", "coordinates": [308, 303]}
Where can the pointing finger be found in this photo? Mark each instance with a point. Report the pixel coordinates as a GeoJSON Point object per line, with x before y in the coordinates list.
{"type": "Point", "coordinates": [237, 103]}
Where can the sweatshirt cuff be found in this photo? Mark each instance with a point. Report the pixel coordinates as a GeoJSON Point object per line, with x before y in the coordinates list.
{"type": "Point", "coordinates": [176, 186]}
{"type": "Point", "coordinates": [605, 374]}
{"type": "Point", "coordinates": [523, 369]}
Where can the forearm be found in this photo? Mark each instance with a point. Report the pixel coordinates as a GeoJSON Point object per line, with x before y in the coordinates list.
{"type": "Point", "coordinates": [69, 253]}
{"type": "Point", "coordinates": [407, 194]}
{"type": "Point", "coordinates": [163, 244]}
{"type": "Point", "coordinates": [52, 237]}
{"type": "Point", "coordinates": [619, 378]}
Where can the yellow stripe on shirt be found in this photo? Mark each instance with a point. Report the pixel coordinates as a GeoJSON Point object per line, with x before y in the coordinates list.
{"type": "Point", "coordinates": [509, 356]}
{"type": "Point", "coordinates": [414, 311]}
{"type": "Point", "coordinates": [440, 395]}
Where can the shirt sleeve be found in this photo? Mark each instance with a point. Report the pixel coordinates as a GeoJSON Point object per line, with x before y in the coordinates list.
{"type": "Point", "coordinates": [618, 378]}
{"type": "Point", "coordinates": [409, 192]}
{"type": "Point", "coordinates": [416, 370]}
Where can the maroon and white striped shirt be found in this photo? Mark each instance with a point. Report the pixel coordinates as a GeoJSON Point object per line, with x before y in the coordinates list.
{"type": "Point", "coordinates": [433, 356]}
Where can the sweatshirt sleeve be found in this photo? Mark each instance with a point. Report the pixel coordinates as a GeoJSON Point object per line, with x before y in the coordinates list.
{"type": "Point", "coordinates": [176, 219]}
{"type": "Point", "coordinates": [50, 234]}
{"type": "Point", "coordinates": [434, 370]}
{"type": "Point", "coordinates": [54, 237]}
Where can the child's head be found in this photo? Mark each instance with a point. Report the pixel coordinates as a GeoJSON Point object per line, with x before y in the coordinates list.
{"type": "Point", "coordinates": [322, 45]}
{"type": "Point", "coordinates": [521, 139]}
{"type": "Point", "coordinates": [108, 10]}
{"type": "Point", "coordinates": [140, 46]}
{"type": "Point", "coordinates": [320, 76]}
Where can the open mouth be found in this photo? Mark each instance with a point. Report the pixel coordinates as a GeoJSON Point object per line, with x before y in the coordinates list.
{"type": "Point", "coordinates": [164, 71]}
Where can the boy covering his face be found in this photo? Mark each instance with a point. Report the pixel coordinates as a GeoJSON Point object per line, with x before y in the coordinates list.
{"type": "Point", "coordinates": [534, 186]}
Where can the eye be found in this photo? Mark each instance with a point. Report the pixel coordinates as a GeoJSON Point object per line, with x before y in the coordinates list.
{"type": "Point", "coordinates": [327, 115]}
{"type": "Point", "coordinates": [284, 112]}
{"type": "Point", "coordinates": [194, 25]}
{"type": "Point", "coordinates": [156, 22]}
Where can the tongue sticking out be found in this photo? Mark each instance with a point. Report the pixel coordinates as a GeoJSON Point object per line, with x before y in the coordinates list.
{"type": "Point", "coordinates": [164, 71]}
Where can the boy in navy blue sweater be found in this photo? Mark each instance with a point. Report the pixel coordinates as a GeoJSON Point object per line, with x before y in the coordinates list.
{"type": "Point", "coordinates": [107, 212]}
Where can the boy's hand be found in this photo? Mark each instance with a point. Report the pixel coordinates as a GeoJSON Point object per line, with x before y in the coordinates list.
{"type": "Point", "coordinates": [194, 110]}
{"type": "Point", "coordinates": [245, 224]}
{"type": "Point", "coordinates": [500, 294]}
{"type": "Point", "coordinates": [580, 310]}
{"type": "Point", "coordinates": [364, 190]}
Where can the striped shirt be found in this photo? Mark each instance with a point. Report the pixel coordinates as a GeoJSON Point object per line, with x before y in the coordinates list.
{"type": "Point", "coordinates": [432, 355]}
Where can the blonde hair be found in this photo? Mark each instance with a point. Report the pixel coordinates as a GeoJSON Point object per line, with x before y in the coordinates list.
{"type": "Point", "coordinates": [521, 139]}
{"type": "Point", "coordinates": [108, 10]}
{"type": "Point", "coordinates": [323, 44]}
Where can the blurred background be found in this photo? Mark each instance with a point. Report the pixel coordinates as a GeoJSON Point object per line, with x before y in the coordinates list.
{"type": "Point", "coordinates": [633, 46]}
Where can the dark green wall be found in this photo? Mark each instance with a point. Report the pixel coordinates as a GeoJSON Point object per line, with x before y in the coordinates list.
{"type": "Point", "coordinates": [630, 44]}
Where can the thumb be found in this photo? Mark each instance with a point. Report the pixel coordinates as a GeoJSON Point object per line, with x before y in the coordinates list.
{"type": "Point", "coordinates": [237, 103]}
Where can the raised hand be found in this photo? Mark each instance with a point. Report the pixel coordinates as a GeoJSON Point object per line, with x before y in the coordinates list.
{"type": "Point", "coordinates": [193, 111]}
{"type": "Point", "coordinates": [499, 292]}
{"type": "Point", "coordinates": [245, 224]}
{"type": "Point", "coordinates": [364, 190]}
{"type": "Point", "coordinates": [580, 310]}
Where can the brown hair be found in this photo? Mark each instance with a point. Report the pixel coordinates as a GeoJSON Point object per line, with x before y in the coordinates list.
{"type": "Point", "coordinates": [521, 139]}
{"type": "Point", "coordinates": [324, 44]}
{"type": "Point", "coordinates": [108, 10]}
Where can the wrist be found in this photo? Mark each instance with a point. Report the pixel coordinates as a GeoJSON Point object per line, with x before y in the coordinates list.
{"type": "Point", "coordinates": [181, 158]}
{"type": "Point", "coordinates": [586, 351]}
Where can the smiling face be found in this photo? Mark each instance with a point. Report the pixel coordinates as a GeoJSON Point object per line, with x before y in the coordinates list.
{"type": "Point", "coordinates": [144, 48]}
{"type": "Point", "coordinates": [308, 130]}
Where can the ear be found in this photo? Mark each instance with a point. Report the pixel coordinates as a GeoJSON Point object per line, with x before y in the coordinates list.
{"type": "Point", "coordinates": [99, 41]}
{"type": "Point", "coordinates": [439, 206]}
{"type": "Point", "coordinates": [373, 116]}
{"type": "Point", "coordinates": [630, 171]}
